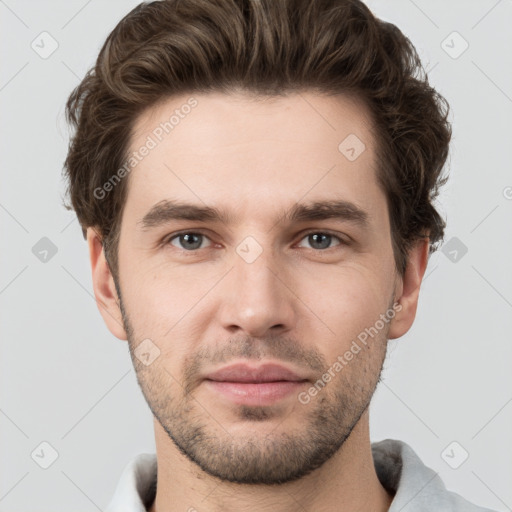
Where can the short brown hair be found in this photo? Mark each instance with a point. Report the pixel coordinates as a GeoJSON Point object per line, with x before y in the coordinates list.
{"type": "Point", "coordinates": [267, 48]}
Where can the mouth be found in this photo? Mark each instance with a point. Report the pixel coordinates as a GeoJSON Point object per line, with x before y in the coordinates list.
{"type": "Point", "coordinates": [257, 386]}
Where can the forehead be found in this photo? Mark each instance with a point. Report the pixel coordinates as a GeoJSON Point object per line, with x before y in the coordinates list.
{"type": "Point", "coordinates": [254, 154]}
{"type": "Point", "coordinates": [216, 119]}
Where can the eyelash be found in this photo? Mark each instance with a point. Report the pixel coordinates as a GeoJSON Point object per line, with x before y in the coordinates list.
{"type": "Point", "coordinates": [167, 240]}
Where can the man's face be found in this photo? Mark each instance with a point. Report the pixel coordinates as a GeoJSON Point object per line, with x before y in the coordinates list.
{"type": "Point", "coordinates": [259, 285]}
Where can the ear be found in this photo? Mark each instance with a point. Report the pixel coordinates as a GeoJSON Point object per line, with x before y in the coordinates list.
{"type": "Point", "coordinates": [104, 287]}
{"type": "Point", "coordinates": [408, 290]}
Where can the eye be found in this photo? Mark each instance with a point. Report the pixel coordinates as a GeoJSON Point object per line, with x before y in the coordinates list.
{"type": "Point", "coordinates": [189, 241]}
{"type": "Point", "coordinates": [320, 240]}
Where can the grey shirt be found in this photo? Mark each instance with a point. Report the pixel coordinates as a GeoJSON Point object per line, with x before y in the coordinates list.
{"type": "Point", "coordinates": [416, 487]}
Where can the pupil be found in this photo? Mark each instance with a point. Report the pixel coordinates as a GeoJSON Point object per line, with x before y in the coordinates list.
{"type": "Point", "coordinates": [327, 239]}
{"type": "Point", "coordinates": [189, 240]}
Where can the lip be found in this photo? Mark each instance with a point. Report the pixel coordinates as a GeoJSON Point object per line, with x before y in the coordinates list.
{"type": "Point", "coordinates": [241, 372]}
{"type": "Point", "coordinates": [243, 384]}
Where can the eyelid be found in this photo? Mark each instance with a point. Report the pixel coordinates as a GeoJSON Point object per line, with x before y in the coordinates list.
{"type": "Point", "coordinates": [166, 240]}
{"type": "Point", "coordinates": [339, 236]}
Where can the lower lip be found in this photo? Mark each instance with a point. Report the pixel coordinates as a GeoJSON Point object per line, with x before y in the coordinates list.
{"type": "Point", "coordinates": [264, 393]}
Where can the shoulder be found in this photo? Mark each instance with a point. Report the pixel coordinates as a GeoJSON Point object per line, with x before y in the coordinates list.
{"type": "Point", "coordinates": [402, 473]}
{"type": "Point", "coordinates": [136, 487]}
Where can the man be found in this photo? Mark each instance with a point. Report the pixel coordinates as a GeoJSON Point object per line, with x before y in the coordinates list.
{"type": "Point", "coordinates": [255, 181]}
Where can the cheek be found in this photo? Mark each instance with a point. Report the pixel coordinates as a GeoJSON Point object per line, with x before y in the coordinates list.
{"type": "Point", "coordinates": [165, 289]}
{"type": "Point", "coordinates": [347, 299]}
{"type": "Point", "coordinates": [168, 306]}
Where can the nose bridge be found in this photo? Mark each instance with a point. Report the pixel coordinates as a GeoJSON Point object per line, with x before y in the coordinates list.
{"type": "Point", "coordinates": [256, 299]}
{"type": "Point", "coordinates": [256, 265]}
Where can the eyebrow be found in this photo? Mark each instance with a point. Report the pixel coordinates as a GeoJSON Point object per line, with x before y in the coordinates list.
{"type": "Point", "coordinates": [168, 210]}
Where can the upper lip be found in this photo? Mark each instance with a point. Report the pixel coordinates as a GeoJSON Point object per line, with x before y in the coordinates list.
{"type": "Point", "coordinates": [241, 372]}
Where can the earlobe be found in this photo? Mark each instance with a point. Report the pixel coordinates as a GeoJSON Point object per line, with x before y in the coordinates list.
{"type": "Point", "coordinates": [409, 289]}
{"type": "Point", "coordinates": [104, 287]}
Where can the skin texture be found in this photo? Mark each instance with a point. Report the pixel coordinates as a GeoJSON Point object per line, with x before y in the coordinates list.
{"type": "Point", "coordinates": [301, 302]}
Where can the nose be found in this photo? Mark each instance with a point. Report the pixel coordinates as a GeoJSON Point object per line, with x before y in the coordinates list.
{"type": "Point", "coordinates": [256, 298]}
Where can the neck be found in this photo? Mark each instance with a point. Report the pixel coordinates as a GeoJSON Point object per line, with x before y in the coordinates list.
{"type": "Point", "coordinates": [346, 482]}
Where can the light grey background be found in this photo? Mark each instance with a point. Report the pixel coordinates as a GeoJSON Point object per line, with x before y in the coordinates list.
{"type": "Point", "coordinates": [67, 381]}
